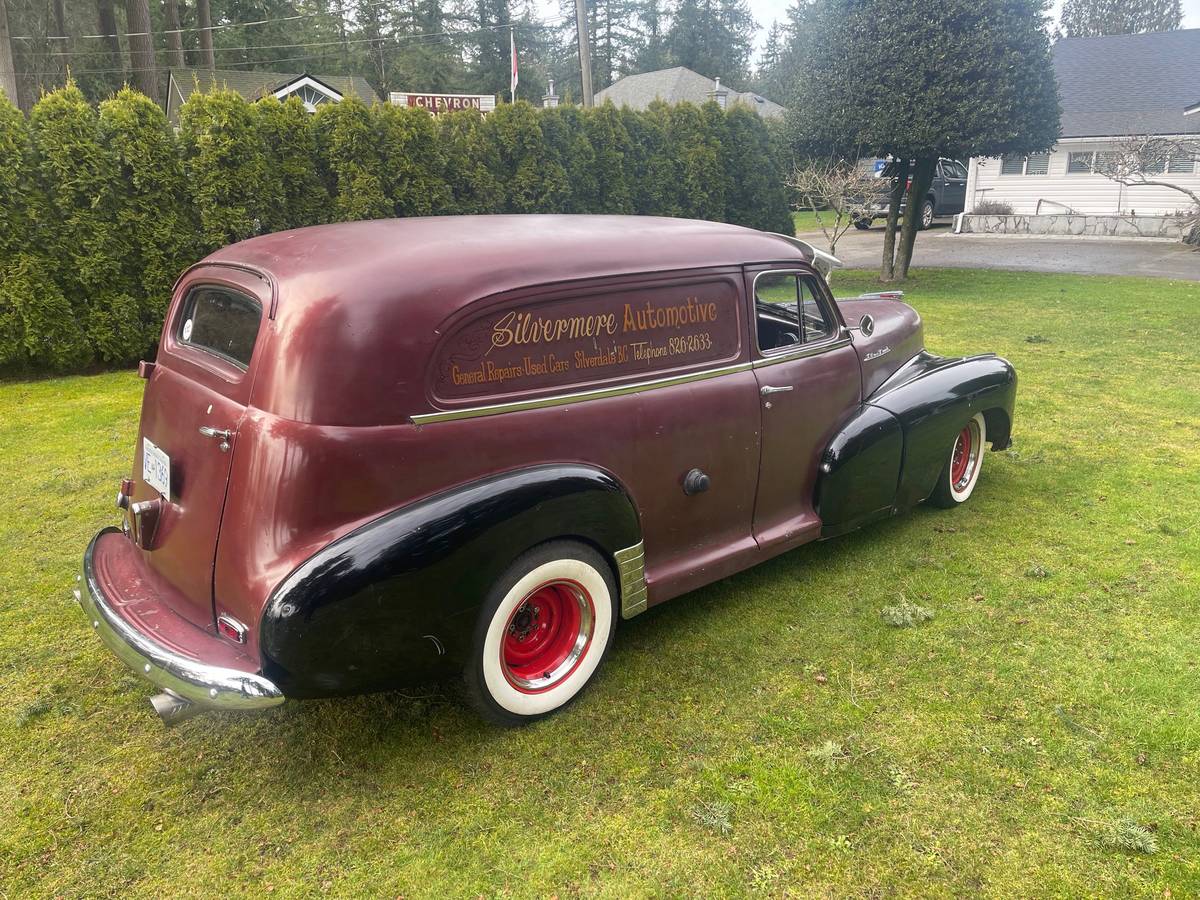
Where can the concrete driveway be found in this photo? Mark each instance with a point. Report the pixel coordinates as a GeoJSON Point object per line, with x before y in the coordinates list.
{"type": "Point", "coordinates": [1082, 256]}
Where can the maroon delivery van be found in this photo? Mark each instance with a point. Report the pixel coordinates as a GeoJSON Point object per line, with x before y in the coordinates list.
{"type": "Point", "coordinates": [379, 452]}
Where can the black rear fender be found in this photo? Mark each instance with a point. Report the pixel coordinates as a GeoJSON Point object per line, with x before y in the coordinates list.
{"type": "Point", "coordinates": [396, 600]}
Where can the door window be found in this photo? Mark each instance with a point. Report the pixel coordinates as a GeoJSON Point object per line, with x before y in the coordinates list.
{"type": "Point", "coordinates": [789, 311]}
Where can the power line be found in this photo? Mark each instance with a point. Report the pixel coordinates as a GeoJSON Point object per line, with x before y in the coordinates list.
{"type": "Point", "coordinates": [544, 23]}
{"type": "Point", "coordinates": [388, 44]}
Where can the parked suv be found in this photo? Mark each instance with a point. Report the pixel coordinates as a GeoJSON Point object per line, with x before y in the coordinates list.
{"type": "Point", "coordinates": [947, 194]}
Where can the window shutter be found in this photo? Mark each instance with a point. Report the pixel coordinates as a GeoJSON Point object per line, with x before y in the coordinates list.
{"type": "Point", "coordinates": [1011, 165]}
{"type": "Point", "coordinates": [1181, 164]}
{"type": "Point", "coordinates": [1038, 164]}
{"type": "Point", "coordinates": [1079, 162]}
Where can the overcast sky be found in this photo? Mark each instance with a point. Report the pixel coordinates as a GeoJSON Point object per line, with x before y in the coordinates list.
{"type": "Point", "coordinates": [766, 11]}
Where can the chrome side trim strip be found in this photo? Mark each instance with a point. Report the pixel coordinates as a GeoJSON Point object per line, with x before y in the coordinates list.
{"type": "Point", "coordinates": [205, 685]}
{"type": "Point", "coordinates": [472, 412]}
{"type": "Point", "coordinates": [631, 567]}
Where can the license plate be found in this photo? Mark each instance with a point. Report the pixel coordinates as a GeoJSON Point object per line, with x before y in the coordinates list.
{"type": "Point", "coordinates": [156, 468]}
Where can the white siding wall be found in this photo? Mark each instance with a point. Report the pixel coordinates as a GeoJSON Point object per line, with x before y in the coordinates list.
{"type": "Point", "coordinates": [1083, 193]}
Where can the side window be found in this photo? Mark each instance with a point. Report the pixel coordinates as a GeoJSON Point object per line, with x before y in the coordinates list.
{"type": "Point", "coordinates": [788, 311]}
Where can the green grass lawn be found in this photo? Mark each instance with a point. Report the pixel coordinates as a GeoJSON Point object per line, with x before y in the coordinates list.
{"type": "Point", "coordinates": [769, 734]}
{"type": "Point", "coordinates": [806, 220]}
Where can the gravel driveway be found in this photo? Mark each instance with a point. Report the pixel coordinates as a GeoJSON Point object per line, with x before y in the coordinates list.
{"type": "Point", "coordinates": [939, 247]}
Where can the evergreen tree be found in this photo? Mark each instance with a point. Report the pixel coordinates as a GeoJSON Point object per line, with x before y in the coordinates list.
{"type": "Point", "coordinates": [39, 327]}
{"type": "Point", "coordinates": [1092, 18]}
{"type": "Point", "coordinates": [532, 180]}
{"type": "Point", "coordinates": [15, 181]}
{"type": "Point", "coordinates": [411, 160]}
{"type": "Point", "coordinates": [289, 139]}
{"type": "Point", "coordinates": [231, 182]}
{"type": "Point", "coordinates": [74, 208]}
{"type": "Point", "coordinates": [714, 38]}
{"type": "Point", "coordinates": [568, 147]}
{"type": "Point", "coordinates": [651, 54]}
{"type": "Point", "coordinates": [754, 192]}
{"type": "Point", "coordinates": [611, 148]}
{"type": "Point", "coordinates": [656, 167]}
{"type": "Point", "coordinates": [695, 138]}
{"type": "Point", "coordinates": [973, 78]}
{"type": "Point", "coordinates": [350, 161]}
{"type": "Point", "coordinates": [153, 226]}
{"type": "Point", "coordinates": [470, 160]}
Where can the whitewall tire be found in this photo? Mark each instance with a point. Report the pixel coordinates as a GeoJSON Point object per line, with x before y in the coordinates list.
{"type": "Point", "coordinates": [961, 473]}
{"type": "Point", "coordinates": [543, 630]}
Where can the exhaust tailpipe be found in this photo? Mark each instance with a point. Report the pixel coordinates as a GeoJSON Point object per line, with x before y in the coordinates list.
{"type": "Point", "coordinates": [173, 709]}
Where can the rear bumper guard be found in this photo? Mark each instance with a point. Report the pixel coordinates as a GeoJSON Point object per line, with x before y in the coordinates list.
{"type": "Point", "coordinates": [213, 687]}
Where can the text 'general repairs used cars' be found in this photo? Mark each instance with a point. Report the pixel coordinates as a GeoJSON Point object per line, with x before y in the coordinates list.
{"type": "Point", "coordinates": [384, 452]}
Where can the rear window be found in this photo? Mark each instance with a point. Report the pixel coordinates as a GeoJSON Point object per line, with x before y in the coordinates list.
{"type": "Point", "coordinates": [221, 322]}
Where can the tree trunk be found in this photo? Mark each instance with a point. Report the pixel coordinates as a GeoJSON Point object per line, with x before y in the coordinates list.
{"type": "Point", "coordinates": [8, 69]}
{"type": "Point", "coordinates": [888, 272]}
{"type": "Point", "coordinates": [60, 45]}
{"type": "Point", "coordinates": [141, 47]}
{"type": "Point", "coordinates": [922, 177]}
{"type": "Point", "coordinates": [174, 39]}
{"type": "Point", "coordinates": [106, 18]}
{"type": "Point", "coordinates": [204, 23]}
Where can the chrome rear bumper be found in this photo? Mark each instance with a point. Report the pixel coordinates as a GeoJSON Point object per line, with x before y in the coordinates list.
{"type": "Point", "coordinates": [215, 687]}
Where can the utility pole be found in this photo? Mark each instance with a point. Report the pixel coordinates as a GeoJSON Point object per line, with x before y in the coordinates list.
{"type": "Point", "coordinates": [8, 74]}
{"type": "Point", "coordinates": [585, 52]}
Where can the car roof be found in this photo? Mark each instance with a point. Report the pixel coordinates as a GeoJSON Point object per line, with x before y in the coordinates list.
{"type": "Point", "coordinates": [462, 258]}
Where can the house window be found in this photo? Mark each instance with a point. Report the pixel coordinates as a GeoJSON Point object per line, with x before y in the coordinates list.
{"type": "Point", "coordinates": [1181, 164]}
{"type": "Point", "coordinates": [1012, 165]}
{"type": "Point", "coordinates": [1080, 163]}
{"type": "Point", "coordinates": [1037, 164]}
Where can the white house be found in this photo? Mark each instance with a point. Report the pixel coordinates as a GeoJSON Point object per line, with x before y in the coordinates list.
{"type": "Point", "coordinates": [1111, 88]}
{"type": "Point", "coordinates": [254, 85]}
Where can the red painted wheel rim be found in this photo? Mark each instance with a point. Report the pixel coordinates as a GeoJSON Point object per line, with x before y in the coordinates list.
{"type": "Point", "coordinates": [961, 459]}
{"type": "Point", "coordinates": [964, 459]}
{"type": "Point", "coordinates": [547, 636]}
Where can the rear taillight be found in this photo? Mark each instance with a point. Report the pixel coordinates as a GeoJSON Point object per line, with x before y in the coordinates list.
{"type": "Point", "coordinates": [231, 628]}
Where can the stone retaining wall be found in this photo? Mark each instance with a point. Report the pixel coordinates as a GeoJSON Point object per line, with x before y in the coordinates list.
{"type": "Point", "coordinates": [1064, 223]}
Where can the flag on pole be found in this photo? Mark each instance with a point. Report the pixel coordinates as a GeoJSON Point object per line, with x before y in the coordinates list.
{"type": "Point", "coordinates": [512, 46]}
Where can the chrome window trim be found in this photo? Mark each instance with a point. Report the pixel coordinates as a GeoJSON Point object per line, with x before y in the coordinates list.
{"type": "Point", "coordinates": [824, 343]}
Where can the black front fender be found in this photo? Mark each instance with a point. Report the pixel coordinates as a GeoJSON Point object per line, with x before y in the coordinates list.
{"type": "Point", "coordinates": [396, 600]}
{"type": "Point", "coordinates": [889, 455]}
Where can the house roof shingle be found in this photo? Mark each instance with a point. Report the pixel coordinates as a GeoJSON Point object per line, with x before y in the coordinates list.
{"type": "Point", "coordinates": [677, 85]}
{"type": "Point", "coordinates": [253, 85]}
{"type": "Point", "coordinates": [1126, 84]}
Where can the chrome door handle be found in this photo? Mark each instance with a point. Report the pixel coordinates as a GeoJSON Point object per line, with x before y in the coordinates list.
{"type": "Point", "coordinates": [766, 390]}
{"type": "Point", "coordinates": [221, 433]}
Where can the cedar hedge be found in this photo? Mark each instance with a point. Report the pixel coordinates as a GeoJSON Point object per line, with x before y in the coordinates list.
{"type": "Point", "coordinates": [104, 206]}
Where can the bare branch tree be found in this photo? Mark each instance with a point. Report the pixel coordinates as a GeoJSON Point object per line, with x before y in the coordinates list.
{"type": "Point", "coordinates": [839, 193]}
{"type": "Point", "coordinates": [1148, 161]}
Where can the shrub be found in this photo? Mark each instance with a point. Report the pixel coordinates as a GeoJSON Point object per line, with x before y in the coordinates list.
{"type": "Point", "coordinates": [103, 208]}
{"type": "Point", "coordinates": [230, 179]}
{"type": "Point", "coordinates": [349, 158]}
{"type": "Point", "coordinates": [992, 208]}
{"type": "Point", "coordinates": [38, 326]}
{"type": "Point", "coordinates": [289, 141]}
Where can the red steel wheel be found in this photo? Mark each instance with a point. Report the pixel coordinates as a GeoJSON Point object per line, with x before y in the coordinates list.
{"type": "Point", "coordinates": [542, 632]}
{"type": "Point", "coordinates": [961, 473]}
{"type": "Point", "coordinates": [547, 635]}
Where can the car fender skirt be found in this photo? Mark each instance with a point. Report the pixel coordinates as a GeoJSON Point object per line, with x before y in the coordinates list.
{"type": "Point", "coordinates": [395, 601]}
